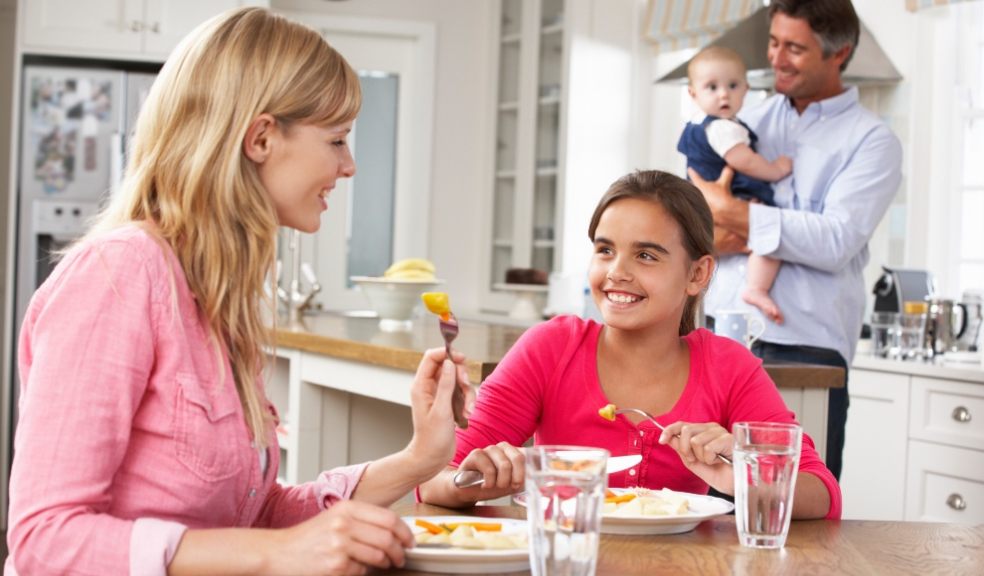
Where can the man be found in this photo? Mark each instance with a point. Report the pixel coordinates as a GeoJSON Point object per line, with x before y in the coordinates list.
{"type": "Point", "coordinates": [846, 170]}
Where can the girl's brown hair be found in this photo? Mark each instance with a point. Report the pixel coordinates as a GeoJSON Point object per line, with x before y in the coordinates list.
{"type": "Point", "coordinates": [683, 202]}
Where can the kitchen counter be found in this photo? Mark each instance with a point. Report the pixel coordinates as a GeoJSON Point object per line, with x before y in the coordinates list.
{"type": "Point", "coordinates": [483, 343]}
{"type": "Point", "coordinates": [941, 368]}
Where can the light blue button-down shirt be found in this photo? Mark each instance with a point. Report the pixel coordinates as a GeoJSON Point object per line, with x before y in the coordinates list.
{"type": "Point", "coordinates": [846, 170]}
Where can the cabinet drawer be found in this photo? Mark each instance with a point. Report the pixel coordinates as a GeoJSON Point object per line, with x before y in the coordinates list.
{"type": "Point", "coordinates": [947, 412]}
{"type": "Point", "coordinates": [945, 484]}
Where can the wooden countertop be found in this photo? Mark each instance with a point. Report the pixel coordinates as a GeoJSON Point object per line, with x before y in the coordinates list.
{"type": "Point", "coordinates": [813, 547]}
{"type": "Point", "coordinates": [360, 339]}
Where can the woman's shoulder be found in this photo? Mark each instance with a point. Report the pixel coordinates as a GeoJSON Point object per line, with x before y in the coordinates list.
{"type": "Point", "coordinates": [561, 329]}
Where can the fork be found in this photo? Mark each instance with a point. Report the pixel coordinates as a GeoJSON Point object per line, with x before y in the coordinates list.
{"type": "Point", "coordinates": [449, 331]}
{"type": "Point", "coordinates": [652, 419]}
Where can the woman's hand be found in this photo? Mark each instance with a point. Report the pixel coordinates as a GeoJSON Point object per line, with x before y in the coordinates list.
{"type": "Point", "coordinates": [430, 399]}
{"type": "Point", "coordinates": [698, 446]}
{"type": "Point", "coordinates": [503, 467]}
{"type": "Point", "coordinates": [348, 538]}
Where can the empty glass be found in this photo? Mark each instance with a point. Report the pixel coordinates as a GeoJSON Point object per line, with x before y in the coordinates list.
{"type": "Point", "coordinates": [884, 333]}
{"type": "Point", "coordinates": [912, 336]}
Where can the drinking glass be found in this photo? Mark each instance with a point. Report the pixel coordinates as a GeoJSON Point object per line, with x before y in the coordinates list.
{"type": "Point", "coordinates": [912, 336]}
{"type": "Point", "coordinates": [766, 459]}
{"type": "Point", "coordinates": [566, 488]}
{"type": "Point", "coordinates": [884, 332]}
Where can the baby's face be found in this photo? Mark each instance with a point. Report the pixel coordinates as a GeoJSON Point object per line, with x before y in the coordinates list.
{"type": "Point", "coordinates": [718, 87]}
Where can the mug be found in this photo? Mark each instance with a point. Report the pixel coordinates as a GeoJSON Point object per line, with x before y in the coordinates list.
{"type": "Point", "coordinates": [740, 325]}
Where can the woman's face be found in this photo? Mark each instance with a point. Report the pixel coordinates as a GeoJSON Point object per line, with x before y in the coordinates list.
{"type": "Point", "coordinates": [640, 274]}
{"type": "Point", "coordinates": [301, 169]}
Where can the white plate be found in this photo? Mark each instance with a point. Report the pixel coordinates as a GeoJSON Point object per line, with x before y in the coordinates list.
{"type": "Point", "coordinates": [701, 507]}
{"type": "Point", "coordinates": [462, 561]}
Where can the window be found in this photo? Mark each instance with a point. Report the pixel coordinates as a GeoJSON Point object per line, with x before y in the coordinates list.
{"type": "Point", "coordinates": [967, 266]}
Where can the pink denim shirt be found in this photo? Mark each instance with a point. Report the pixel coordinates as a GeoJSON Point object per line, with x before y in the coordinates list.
{"type": "Point", "coordinates": [130, 428]}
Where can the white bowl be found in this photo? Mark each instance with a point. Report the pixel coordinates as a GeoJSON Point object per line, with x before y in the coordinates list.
{"type": "Point", "coordinates": [394, 300]}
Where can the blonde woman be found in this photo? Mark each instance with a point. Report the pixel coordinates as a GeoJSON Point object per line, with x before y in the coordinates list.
{"type": "Point", "coordinates": [146, 444]}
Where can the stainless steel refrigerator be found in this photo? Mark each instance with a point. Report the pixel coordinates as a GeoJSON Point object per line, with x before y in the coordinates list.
{"type": "Point", "coordinates": [74, 124]}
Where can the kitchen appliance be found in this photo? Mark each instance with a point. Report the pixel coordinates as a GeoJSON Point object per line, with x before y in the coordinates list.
{"type": "Point", "coordinates": [896, 286]}
{"type": "Point", "coordinates": [942, 323]}
{"type": "Point", "coordinates": [973, 313]}
{"type": "Point", "coordinates": [73, 124]}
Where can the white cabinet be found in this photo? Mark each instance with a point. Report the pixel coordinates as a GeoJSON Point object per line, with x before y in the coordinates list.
{"type": "Point", "coordinates": [138, 29]}
{"type": "Point", "coordinates": [874, 473]}
{"type": "Point", "coordinates": [527, 187]}
{"type": "Point", "coordinates": [914, 448]}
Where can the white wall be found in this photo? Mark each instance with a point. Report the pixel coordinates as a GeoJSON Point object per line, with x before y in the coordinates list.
{"type": "Point", "coordinates": [462, 126]}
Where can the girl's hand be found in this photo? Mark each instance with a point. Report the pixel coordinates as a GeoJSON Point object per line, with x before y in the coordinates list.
{"type": "Point", "coordinates": [503, 467]}
{"type": "Point", "coordinates": [348, 538]}
{"type": "Point", "coordinates": [430, 399]}
{"type": "Point", "coordinates": [698, 446]}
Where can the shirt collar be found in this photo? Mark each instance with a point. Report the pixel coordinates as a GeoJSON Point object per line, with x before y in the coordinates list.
{"type": "Point", "coordinates": [832, 105]}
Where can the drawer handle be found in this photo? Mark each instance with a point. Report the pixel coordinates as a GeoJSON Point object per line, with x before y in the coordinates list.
{"type": "Point", "coordinates": [136, 26]}
{"type": "Point", "coordinates": [956, 502]}
{"type": "Point", "coordinates": [961, 414]}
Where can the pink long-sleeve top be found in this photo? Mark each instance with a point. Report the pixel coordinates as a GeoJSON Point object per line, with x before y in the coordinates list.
{"type": "Point", "coordinates": [130, 428]}
{"type": "Point", "coordinates": [547, 387]}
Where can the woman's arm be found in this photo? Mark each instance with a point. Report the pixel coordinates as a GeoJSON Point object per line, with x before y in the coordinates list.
{"type": "Point", "coordinates": [341, 540]}
{"type": "Point", "coordinates": [432, 446]}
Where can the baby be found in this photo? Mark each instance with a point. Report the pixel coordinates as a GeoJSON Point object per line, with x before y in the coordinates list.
{"type": "Point", "coordinates": [719, 138]}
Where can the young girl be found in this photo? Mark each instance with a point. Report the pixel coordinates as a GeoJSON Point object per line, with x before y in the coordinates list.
{"type": "Point", "coordinates": [717, 139]}
{"type": "Point", "coordinates": [653, 239]}
{"type": "Point", "coordinates": [145, 443]}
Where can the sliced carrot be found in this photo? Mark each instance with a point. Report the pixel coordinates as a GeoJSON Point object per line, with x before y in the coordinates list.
{"type": "Point", "coordinates": [609, 494]}
{"type": "Point", "coordinates": [478, 526]}
{"type": "Point", "coordinates": [429, 526]}
{"type": "Point", "coordinates": [620, 499]}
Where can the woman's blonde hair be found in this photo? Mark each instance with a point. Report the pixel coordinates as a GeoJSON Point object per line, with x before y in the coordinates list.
{"type": "Point", "coordinates": [189, 181]}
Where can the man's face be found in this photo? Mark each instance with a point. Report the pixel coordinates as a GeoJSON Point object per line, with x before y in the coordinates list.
{"type": "Point", "coordinates": [802, 73]}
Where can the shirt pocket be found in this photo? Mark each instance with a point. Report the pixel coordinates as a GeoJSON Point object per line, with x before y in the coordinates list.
{"type": "Point", "coordinates": [813, 170]}
{"type": "Point", "coordinates": [207, 431]}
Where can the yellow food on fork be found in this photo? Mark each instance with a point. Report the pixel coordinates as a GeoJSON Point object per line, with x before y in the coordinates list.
{"type": "Point", "coordinates": [437, 302]}
{"type": "Point", "coordinates": [607, 412]}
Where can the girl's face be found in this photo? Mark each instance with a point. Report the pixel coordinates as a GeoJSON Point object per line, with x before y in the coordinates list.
{"type": "Point", "coordinates": [301, 169]}
{"type": "Point", "coordinates": [640, 274]}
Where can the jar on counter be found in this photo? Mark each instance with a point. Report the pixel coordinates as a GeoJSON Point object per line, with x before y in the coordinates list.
{"type": "Point", "coordinates": [912, 331]}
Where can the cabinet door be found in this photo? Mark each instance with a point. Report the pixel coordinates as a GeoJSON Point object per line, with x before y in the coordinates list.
{"type": "Point", "coordinates": [873, 480]}
{"type": "Point", "coordinates": [166, 22]}
{"type": "Point", "coordinates": [70, 25]}
{"type": "Point", "coordinates": [945, 484]}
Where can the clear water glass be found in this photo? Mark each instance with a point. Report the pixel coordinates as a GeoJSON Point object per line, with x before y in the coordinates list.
{"type": "Point", "coordinates": [912, 336]}
{"type": "Point", "coordinates": [884, 333]}
{"type": "Point", "coordinates": [766, 459]}
{"type": "Point", "coordinates": [566, 488]}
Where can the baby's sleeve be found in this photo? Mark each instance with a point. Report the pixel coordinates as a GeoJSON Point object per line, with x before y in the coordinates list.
{"type": "Point", "coordinates": [723, 135]}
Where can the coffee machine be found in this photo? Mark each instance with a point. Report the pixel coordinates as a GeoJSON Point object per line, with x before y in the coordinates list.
{"type": "Point", "coordinates": [896, 286]}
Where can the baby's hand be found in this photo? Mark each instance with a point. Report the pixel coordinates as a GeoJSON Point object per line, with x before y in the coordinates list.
{"type": "Point", "coordinates": [785, 165]}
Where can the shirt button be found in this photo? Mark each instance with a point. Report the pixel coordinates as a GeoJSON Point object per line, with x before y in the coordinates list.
{"type": "Point", "coordinates": [632, 472]}
{"type": "Point", "coordinates": [641, 433]}
{"type": "Point", "coordinates": [252, 493]}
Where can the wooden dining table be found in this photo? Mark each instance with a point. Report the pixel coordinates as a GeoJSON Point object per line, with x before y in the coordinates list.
{"type": "Point", "coordinates": [820, 547]}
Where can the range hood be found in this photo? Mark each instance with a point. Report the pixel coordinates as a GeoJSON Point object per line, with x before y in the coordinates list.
{"type": "Point", "coordinates": [750, 39]}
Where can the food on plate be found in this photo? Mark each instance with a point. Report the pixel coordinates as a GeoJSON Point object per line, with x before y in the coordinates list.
{"type": "Point", "coordinates": [437, 302]}
{"type": "Point", "coordinates": [608, 412]}
{"type": "Point", "coordinates": [469, 535]}
{"type": "Point", "coordinates": [411, 269]}
{"type": "Point", "coordinates": [645, 502]}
